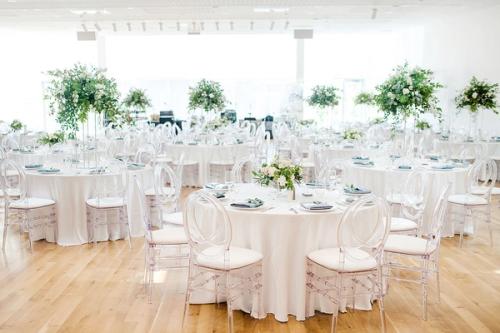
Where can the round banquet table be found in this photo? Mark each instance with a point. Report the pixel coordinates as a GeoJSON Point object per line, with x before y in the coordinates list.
{"type": "Point", "coordinates": [381, 177]}
{"type": "Point", "coordinates": [204, 154]}
{"type": "Point", "coordinates": [342, 153]}
{"type": "Point", "coordinates": [454, 148]}
{"type": "Point", "coordinates": [285, 238]}
{"type": "Point", "coordinates": [70, 188]}
{"type": "Point", "coordinates": [37, 156]}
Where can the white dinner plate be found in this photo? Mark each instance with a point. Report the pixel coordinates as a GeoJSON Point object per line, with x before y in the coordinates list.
{"type": "Point", "coordinates": [248, 209]}
{"type": "Point", "coordinates": [317, 210]}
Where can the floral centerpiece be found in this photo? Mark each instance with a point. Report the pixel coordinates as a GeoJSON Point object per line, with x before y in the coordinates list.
{"type": "Point", "coordinates": [217, 123]}
{"type": "Point", "coordinates": [281, 173]}
{"type": "Point", "coordinates": [324, 97]}
{"type": "Point", "coordinates": [478, 95]}
{"type": "Point", "coordinates": [408, 92]}
{"type": "Point", "coordinates": [364, 98]}
{"type": "Point", "coordinates": [377, 121]}
{"type": "Point", "coordinates": [16, 125]}
{"type": "Point", "coordinates": [422, 125]}
{"type": "Point", "coordinates": [137, 100]}
{"type": "Point", "coordinates": [208, 96]}
{"type": "Point", "coordinates": [352, 134]}
{"type": "Point", "coordinates": [52, 139]}
{"type": "Point", "coordinates": [306, 122]}
{"type": "Point", "coordinates": [75, 92]}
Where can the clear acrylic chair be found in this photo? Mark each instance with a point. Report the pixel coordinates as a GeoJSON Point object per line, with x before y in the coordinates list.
{"type": "Point", "coordinates": [468, 208]}
{"type": "Point", "coordinates": [29, 213]}
{"type": "Point", "coordinates": [163, 197]}
{"type": "Point", "coordinates": [189, 170]}
{"type": "Point", "coordinates": [354, 267]}
{"type": "Point", "coordinates": [412, 203]}
{"type": "Point", "coordinates": [215, 265]}
{"type": "Point", "coordinates": [107, 205]}
{"type": "Point", "coordinates": [146, 154]}
{"type": "Point", "coordinates": [164, 248]}
{"type": "Point", "coordinates": [242, 170]}
{"type": "Point", "coordinates": [424, 250]}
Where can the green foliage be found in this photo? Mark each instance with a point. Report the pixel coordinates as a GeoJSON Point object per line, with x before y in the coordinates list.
{"type": "Point", "coordinates": [324, 97]}
{"type": "Point", "coordinates": [408, 92]}
{"type": "Point", "coordinates": [75, 92]}
{"type": "Point", "coordinates": [207, 95]}
{"type": "Point", "coordinates": [137, 100]}
{"type": "Point", "coordinates": [16, 125]}
{"type": "Point", "coordinates": [364, 98]}
{"type": "Point", "coordinates": [352, 134]}
{"type": "Point", "coordinates": [478, 94]}
{"type": "Point", "coordinates": [52, 139]}
{"type": "Point", "coordinates": [281, 173]}
{"type": "Point", "coordinates": [422, 125]}
{"type": "Point", "coordinates": [217, 123]}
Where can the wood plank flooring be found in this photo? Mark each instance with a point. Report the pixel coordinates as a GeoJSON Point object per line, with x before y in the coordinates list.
{"type": "Point", "coordinates": [99, 289]}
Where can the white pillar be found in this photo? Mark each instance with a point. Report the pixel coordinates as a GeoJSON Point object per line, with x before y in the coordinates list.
{"type": "Point", "coordinates": [101, 51]}
{"type": "Point", "coordinates": [299, 75]}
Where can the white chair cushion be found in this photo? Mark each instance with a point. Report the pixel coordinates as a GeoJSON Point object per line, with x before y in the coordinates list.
{"type": "Point", "coordinates": [397, 198]}
{"type": "Point", "coordinates": [110, 202]}
{"type": "Point", "coordinates": [163, 159]}
{"type": "Point", "coordinates": [480, 190]}
{"type": "Point", "coordinates": [28, 203]}
{"type": "Point", "coordinates": [173, 218]}
{"type": "Point", "coordinates": [467, 199]}
{"type": "Point", "coordinates": [402, 224]}
{"type": "Point", "coordinates": [166, 190]}
{"type": "Point", "coordinates": [221, 163]}
{"type": "Point", "coordinates": [407, 245]}
{"type": "Point", "coordinates": [168, 236]}
{"type": "Point", "coordinates": [355, 260]}
{"type": "Point", "coordinates": [213, 257]}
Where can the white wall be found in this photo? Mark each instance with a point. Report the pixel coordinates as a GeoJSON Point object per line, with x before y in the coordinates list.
{"type": "Point", "coordinates": [457, 48]}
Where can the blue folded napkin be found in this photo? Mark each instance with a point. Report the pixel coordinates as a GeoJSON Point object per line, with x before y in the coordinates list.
{"type": "Point", "coordinates": [193, 143]}
{"type": "Point", "coordinates": [363, 162]}
{"type": "Point", "coordinates": [405, 167]}
{"type": "Point", "coordinates": [361, 158]}
{"type": "Point", "coordinates": [49, 170]}
{"type": "Point", "coordinates": [135, 166]}
{"type": "Point", "coordinates": [217, 186]}
{"type": "Point", "coordinates": [348, 146]}
{"type": "Point", "coordinates": [356, 190]}
{"type": "Point", "coordinates": [443, 167]}
{"type": "Point", "coordinates": [394, 156]}
{"type": "Point", "coordinates": [33, 166]}
{"type": "Point", "coordinates": [248, 203]}
{"type": "Point", "coordinates": [315, 184]}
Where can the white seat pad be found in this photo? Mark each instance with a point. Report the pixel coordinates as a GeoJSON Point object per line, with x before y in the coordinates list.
{"type": "Point", "coordinates": [355, 260]}
{"type": "Point", "coordinates": [397, 198]}
{"type": "Point", "coordinates": [109, 202]}
{"type": "Point", "coordinates": [168, 236]}
{"type": "Point", "coordinates": [480, 190]}
{"type": "Point", "coordinates": [213, 257]}
{"type": "Point", "coordinates": [27, 203]}
{"type": "Point", "coordinates": [174, 218]}
{"type": "Point", "coordinates": [222, 163]}
{"type": "Point", "coordinates": [467, 199]}
{"type": "Point", "coordinates": [407, 245]}
{"type": "Point", "coordinates": [185, 162]}
{"type": "Point", "coordinates": [167, 190]}
{"type": "Point", "coordinates": [402, 224]}
{"type": "Point", "coordinates": [12, 192]}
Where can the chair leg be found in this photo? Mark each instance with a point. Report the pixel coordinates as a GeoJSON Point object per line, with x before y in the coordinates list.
{"type": "Point", "coordinates": [151, 273]}
{"type": "Point", "coordinates": [308, 287]}
{"type": "Point", "coordinates": [335, 314]}
{"type": "Point", "coordinates": [381, 299]}
{"type": "Point", "coordinates": [230, 319]}
{"type": "Point", "coordinates": [188, 295]}
{"type": "Point", "coordinates": [5, 227]}
{"type": "Point", "coordinates": [424, 287]}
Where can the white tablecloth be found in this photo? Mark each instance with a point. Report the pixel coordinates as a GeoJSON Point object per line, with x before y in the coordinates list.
{"type": "Point", "coordinates": [52, 158]}
{"type": "Point", "coordinates": [70, 190]}
{"type": "Point", "coordinates": [380, 178]}
{"type": "Point", "coordinates": [204, 154]}
{"type": "Point", "coordinates": [340, 153]}
{"type": "Point", "coordinates": [284, 238]}
{"type": "Point", "coordinates": [455, 148]}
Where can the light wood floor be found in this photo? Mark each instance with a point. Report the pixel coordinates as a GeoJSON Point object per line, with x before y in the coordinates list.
{"type": "Point", "coordinates": [99, 289]}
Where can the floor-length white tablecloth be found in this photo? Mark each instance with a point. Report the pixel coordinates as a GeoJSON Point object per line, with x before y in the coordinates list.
{"type": "Point", "coordinates": [284, 238]}
{"type": "Point", "coordinates": [454, 148]}
{"type": "Point", "coordinates": [380, 178]}
{"type": "Point", "coordinates": [204, 154]}
{"type": "Point", "coordinates": [70, 189]}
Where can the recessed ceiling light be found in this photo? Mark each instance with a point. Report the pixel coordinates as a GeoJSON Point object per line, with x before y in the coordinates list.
{"type": "Point", "coordinates": [269, 10]}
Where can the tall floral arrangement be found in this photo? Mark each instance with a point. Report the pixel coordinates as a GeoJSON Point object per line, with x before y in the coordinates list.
{"type": "Point", "coordinates": [281, 172]}
{"type": "Point", "coordinates": [478, 95]}
{"type": "Point", "coordinates": [52, 139]}
{"type": "Point", "coordinates": [352, 134]}
{"type": "Point", "coordinates": [324, 97]}
{"type": "Point", "coordinates": [75, 92]}
{"type": "Point", "coordinates": [408, 92]}
{"type": "Point", "coordinates": [207, 95]}
{"type": "Point", "coordinates": [364, 98]}
{"type": "Point", "coordinates": [137, 100]}
{"type": "Point", "coordinates": [16, 125]}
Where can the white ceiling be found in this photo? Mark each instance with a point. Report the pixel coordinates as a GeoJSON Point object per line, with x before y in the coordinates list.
{"type": "Point", "coordinates": [222, 15]}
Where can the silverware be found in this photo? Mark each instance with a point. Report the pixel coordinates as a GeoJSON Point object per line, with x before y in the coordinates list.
{"type": "Point", "coordinates": [294, 210]}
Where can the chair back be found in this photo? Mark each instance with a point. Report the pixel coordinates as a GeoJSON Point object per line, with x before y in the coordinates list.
{"type": "Point", "coordinates": [413, 198]}
{"type": "Point", "coordinates": [143, 208]}
{"type": "Point", "coordinates": [113, 184]}
{"type": "Point", "coordinates": [438, 218]}
{"type": "Point", "coordinates": [146, 154]}
{"type": "Point", "coordinates": [364, 226]}
{"type": "Point", "coordinates": [207, 226]}
{"type": "Point", "coordinates": [163, 175]}
{"type": "Point", "coordinates": [482, 177]}
{"type": "Point", "coordinates": [241, 171]}
{"type": "Point", "coordinates": [12, 179]}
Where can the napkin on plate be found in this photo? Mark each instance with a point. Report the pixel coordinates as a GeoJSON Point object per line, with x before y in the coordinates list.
{"type": "Point", "coordinates": [49, 170]}
{"type": "Point", "coordinates": [405, 167]}
{"type": "Point", "coordinates": [316, 205]}
{"type": "Point", "coordinates": [135, 165]}
{"type": "Point", "coordinates": [394, 156]}
{"type": "Point", "coordinates": [33, 166]}
{"type": "Point", "coordinates": [348, 146]}
{"type": "Point", "coordinates": [363, 162]}
{"type": "Point", "coordinates": [356, 190]}
{"type": "Point", "coordinates": [248, 203]}
{"type": "Point", "coordinates": [361, 158]}
{"type": "Point", "coordinates": [217, 186]}
{"type": "Point", "coordinates": [442, 166]}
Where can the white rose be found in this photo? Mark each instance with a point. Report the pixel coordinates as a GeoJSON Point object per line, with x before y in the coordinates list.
{"type": "Point", "coordinates": [406, 91]}
{"type": "Point", "coordinates": [474, 95]}
{"type": "Point", "coordinates": [409, 81]}
{"type": "Point", "coordinates": [282, 181]}
{"type": "Point", "coordinates": [211, 95]}
{"type": "Point", "coordinates": [271, 170]}
{"type": "Point", "coordinates": [391, 95]}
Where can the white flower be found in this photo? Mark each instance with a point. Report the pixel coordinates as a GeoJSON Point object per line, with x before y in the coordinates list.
{"type": "Point", "coordinates": [474, 95]}
{"type": "Point", "coordinates": [271, 170]}
{"type": "Point", "coordinates": [406, 91]}
{"type": "Point", "coordinates": [282, 181]}
{"type": "Point", "coordinates": [409, 81]}
{"type": "Point", "coordinates": [211, 95]}
{"type": "Point", "coordinates": [391, 95]}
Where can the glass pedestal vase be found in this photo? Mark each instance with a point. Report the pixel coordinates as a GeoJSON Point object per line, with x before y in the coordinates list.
{"type": "Point", "coordinates": [473, 131]}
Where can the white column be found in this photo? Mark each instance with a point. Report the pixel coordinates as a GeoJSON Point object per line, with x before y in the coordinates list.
{"type": "Point", "coordinates": [101, 51]}
{"type": "Point", "coordinates": [299, 74]}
